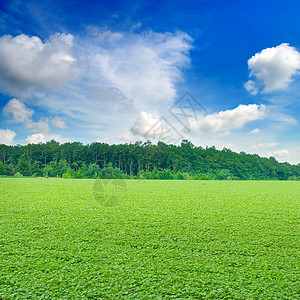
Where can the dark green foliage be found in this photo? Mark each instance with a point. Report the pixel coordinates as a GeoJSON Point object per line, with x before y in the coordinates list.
{"type": "Point", "coordinates": [2, 169]}
{"type": "Point", "coordinates": [110, 172]}
{"type": "Point", "coordinates": [36, 170]}
{"type": "Point", "coordinates": [141, 160]}
{"type": "Point", "coordinates": [23, 166]}
{"type": "Point", "coordinates": [93, 171]}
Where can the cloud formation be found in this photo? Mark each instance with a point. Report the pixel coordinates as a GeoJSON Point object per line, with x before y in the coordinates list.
{"type": "Point", "coordinates": [255, 131]}
{"type": "Point", "coordinates": [140, 128]}
{"type": "Point", "coordinates": [273, 68]}
{"type": "Point", "coordinates": [225, 121]}
{"type": "Point", "coordinates": [7, 136]}
{"type": "Point", "coordinates": [142, 125]}
{"type": "Point", "coordinates": [283, 153]}
{"type": "Point", "coordinates": [17, 111]}
{"type": "Point", "coordinates": [26, 62]}
{"type": "Point", "coordinates": [124, 73]}
{"type": "Point", "coordinates": [41, 126]}
{"type": "Point", "coordinates": [251, 87]}
{"type": "Point", "coordinates": [144, 67]}
{"type": "Point", "coordinates": [58, 123]}
{"type": "Point", "coordinates": [43, 138]}
{"type": "Point", "coordinates": [265, 145]}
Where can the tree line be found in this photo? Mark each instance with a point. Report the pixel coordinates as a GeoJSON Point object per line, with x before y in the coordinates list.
{"type": "Point", "coordinates": [140, 160]}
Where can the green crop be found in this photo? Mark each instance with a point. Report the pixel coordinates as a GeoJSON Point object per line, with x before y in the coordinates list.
{"type": "Point", "coordinates": [164, 240]}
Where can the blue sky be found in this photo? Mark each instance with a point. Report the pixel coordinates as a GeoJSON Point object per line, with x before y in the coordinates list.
{"type": "Point", "coordinates": [110, 71]}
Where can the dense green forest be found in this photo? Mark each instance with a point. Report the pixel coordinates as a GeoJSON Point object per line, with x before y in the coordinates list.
{"type": "Point", "coordinates": [140, 160]}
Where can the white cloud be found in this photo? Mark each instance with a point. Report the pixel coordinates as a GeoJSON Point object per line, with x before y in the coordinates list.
{"type": "Point", "coordinates": [124, 73]}
{"type": "Point", "coordinates": [17, 111]}
{"type": "Point", "coordinates": [224, 121]}
{"type": "Point", "coordinates": [144, 67]}
{"type": "Point", "coordinates": [58, 123]}
{"type": "Point", "coordinates": [144, 123]}
{"type": "Point", "coordinates": [43, 138]}
{"type": "Point", "coordinates": [225, 133]}
{"type": "Point", "coordinates": [280, 153]}
{"type": "Point", "coordinates": [148, 127]}
{"type": "Point", "coordinates": [254, 131]}
{"type": "Point", "coordinates": [7, 136]}
{"type": "Point", "coordinates": [265, 145]}
{"type": "Point", "coordinates": [251, 87]}
{"type": "Point", "coordinates": [127, 137]}
{"type": "Point", "coordinates": [41, 126]}
{"type": "Point", "coordinates": [27, 62]}
{"type": "Point", "coordinates": [140, 128]}
{"type": "Point", "coordinates": [103, 140]}
{"type": "Point", "coordinates": [277, 116]}
{"type": "Point", "coordinates": [273, 67]}
{"type": "Point", "coordinates": [103, 36]}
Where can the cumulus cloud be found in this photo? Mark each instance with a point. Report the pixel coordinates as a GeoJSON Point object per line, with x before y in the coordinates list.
{"type": "Point", "coordinates": [251, 87]}
{"type": "Point", "coordinates": [144, 123]}
{"type": "Point", "coordinates": [41, 126]}
{"type": "Point", "coordinates": [124, 73]}
{"type": "Point", "coordinates": [225, 121]}
{"type": "Point", "coordinates": [140, 128]}
{"type": "Point", "coordinates": [43, 138]}
{"type": "Point", "coordinates": [280, 153]}
{"type": "Point", "coordinates": [58, 123]}
{"type": "Point", "coordinates": [265, 145]}
{"type": "Point", "coordinates": [273, 68]}
{"type": "Point", "coordinates": [255, 131]}
{"type": "Point", "coordinates": [126, 137]}
{"type": "Point", "coordinates": [103, 140]}
{"type": "Point", "coordinates": [27, 62]}
{"type": "Point", "coordinates": [7, 136]}
{"type": "Point", "coordinates": [17, 111]}
{"type": "Point", "coordinates": [148, 127]}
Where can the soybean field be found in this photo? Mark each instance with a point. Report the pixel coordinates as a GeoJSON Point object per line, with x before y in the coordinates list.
{"type": "Point", "coordinates": [143, 239]}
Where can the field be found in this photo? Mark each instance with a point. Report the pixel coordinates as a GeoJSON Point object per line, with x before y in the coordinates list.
{"type": "Point", "coordinates": [164, 240]}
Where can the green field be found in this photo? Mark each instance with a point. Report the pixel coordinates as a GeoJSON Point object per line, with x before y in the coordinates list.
{"type": "Point", "coordinates": [165, 240]}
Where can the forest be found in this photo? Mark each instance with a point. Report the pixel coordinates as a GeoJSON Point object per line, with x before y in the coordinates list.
{"type": "Point", "coordinates": [140, 161]}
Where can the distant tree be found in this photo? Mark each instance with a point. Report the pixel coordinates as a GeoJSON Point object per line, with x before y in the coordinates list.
{"type": "Point", "coordinates": [2, 169]}
{"type": "Point", "coordinates": [69, 174]}
{"type": "Point", "coordinates": [10, 169]}
{"type": "Point", "coordinates": [36, 170]}
{"type": "Point", "coordinates": [141, 160]}
{"type": "Point", "coordinates": [165, 174]}
{"type": "Point", "coordinates": [93, 171]}
{"type": "Point", "coordinates": [48, 171]}
{"type": "Point", "coordinates": [61, 168]}
{"type": "Point", "coordinates": [224, 174]}
{"type": "Point", "coordinates": [23, 166]}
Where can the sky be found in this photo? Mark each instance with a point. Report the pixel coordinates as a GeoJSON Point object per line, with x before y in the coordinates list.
{"type": "Point", "coordinates": [214, 72]}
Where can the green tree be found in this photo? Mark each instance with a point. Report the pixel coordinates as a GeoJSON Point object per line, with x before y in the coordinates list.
{"type": "Point", "coordinates": [23, 166]}
{"type": "Point", "coordinates": [93, 171]}
{"type": "Point", "coordinates": [2, 169]}
{"type": "Point", "coordinates": [36, 170]}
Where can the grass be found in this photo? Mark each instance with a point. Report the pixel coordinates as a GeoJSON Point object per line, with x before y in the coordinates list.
{"type": "Point", "coordinates": [165, 240]}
